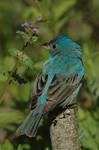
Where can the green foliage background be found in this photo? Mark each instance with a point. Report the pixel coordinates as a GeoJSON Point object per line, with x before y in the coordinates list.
{"type": "Point", "coordinates": [79, 19]}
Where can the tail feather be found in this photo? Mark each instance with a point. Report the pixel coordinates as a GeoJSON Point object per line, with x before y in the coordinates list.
{"type": "Point", "coordinates": [30, 124]}
{"type": "Point", "coordinates": [34, 127]}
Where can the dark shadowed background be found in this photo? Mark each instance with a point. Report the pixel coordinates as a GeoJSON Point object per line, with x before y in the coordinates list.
{"type": "Point", "coordinates": [79, 19]}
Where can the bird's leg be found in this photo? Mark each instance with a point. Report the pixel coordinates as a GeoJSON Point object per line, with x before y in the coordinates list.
{"type": "Point", "coordinates": [67, 111]}
{"type": "Point", "coordinates": [62, 113]}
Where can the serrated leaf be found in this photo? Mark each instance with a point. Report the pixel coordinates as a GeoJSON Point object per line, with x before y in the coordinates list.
{"type": "Point", "coordinates": [34, 39]}
{"type": "Point", "coordinates": [23, 34]}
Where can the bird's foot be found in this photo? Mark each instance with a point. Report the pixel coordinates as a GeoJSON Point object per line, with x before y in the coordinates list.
{"type": "Point", "coordinates": [67, 111]}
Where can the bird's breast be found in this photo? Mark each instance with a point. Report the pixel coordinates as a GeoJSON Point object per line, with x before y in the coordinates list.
{"type": "Point", "coordinates": [63, 66]}
{"type": "Point", "coordinates": [56, 65]}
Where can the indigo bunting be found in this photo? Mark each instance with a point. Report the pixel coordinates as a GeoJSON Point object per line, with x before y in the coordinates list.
{"type": "Point", "coordinates": [57, 84]}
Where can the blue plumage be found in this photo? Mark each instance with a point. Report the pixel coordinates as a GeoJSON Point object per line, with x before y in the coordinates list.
{"type": "Point", "coordinates": [57, 84]}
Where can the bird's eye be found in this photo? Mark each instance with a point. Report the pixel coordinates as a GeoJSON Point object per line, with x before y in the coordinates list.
{"type": "Point", "coordinates": [54, 46]}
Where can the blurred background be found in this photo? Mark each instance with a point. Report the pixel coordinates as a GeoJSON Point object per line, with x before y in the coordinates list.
{"type": "Point", "coordinates": [79, 19]}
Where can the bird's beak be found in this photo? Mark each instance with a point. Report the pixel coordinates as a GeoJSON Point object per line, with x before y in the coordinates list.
{"type": "Point", "coordinates": [45, 45]}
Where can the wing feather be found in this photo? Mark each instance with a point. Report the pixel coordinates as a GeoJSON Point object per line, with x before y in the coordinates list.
{"type": "Point", "coordinates": [59, 89]}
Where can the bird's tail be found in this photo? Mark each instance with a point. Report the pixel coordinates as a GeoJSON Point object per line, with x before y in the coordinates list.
{"type": "Point", "coordinates": [30, 124]}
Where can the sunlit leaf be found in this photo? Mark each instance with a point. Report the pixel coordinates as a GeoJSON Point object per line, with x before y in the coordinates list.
{"type": "Point", "coordinates": [7, 146]}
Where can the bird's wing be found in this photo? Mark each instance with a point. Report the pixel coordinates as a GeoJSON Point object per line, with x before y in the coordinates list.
{"type": "Point", "coordinates": [59, 90]}
{"type": "Point", "coordinates": [38, 86]}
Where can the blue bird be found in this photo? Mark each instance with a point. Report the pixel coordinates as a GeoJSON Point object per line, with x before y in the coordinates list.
{"type": "Point", "coordinates": [57, 84]}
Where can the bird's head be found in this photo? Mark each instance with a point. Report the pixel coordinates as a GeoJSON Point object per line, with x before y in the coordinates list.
{"type": "Point", "coordinates": [62, 45]}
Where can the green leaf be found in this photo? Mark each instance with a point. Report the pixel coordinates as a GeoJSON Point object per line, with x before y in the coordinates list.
{"type": "Point", "coordinates": [9, 116]}
{"type": "Point", "coordinates": [89, 127]}
{"type": "Point", "coordinates": [22, 58]}
{"type": "Point", "coordinates": [38, 65]}
{"type": "Point", "coordinates": [62, 7]}
{"type": "Point", "coordinates": [22, 34]}
{"type": "Point", "coordinates": [19, 147]}
{"type": "Point", "coordinates": [3, 76]}
{"type": "Point", "coordinates": [25, 92]}
{"type": "Point", "coordinates": [7, 145]}
{"type": "Point", "coordinates": [26, 146]}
